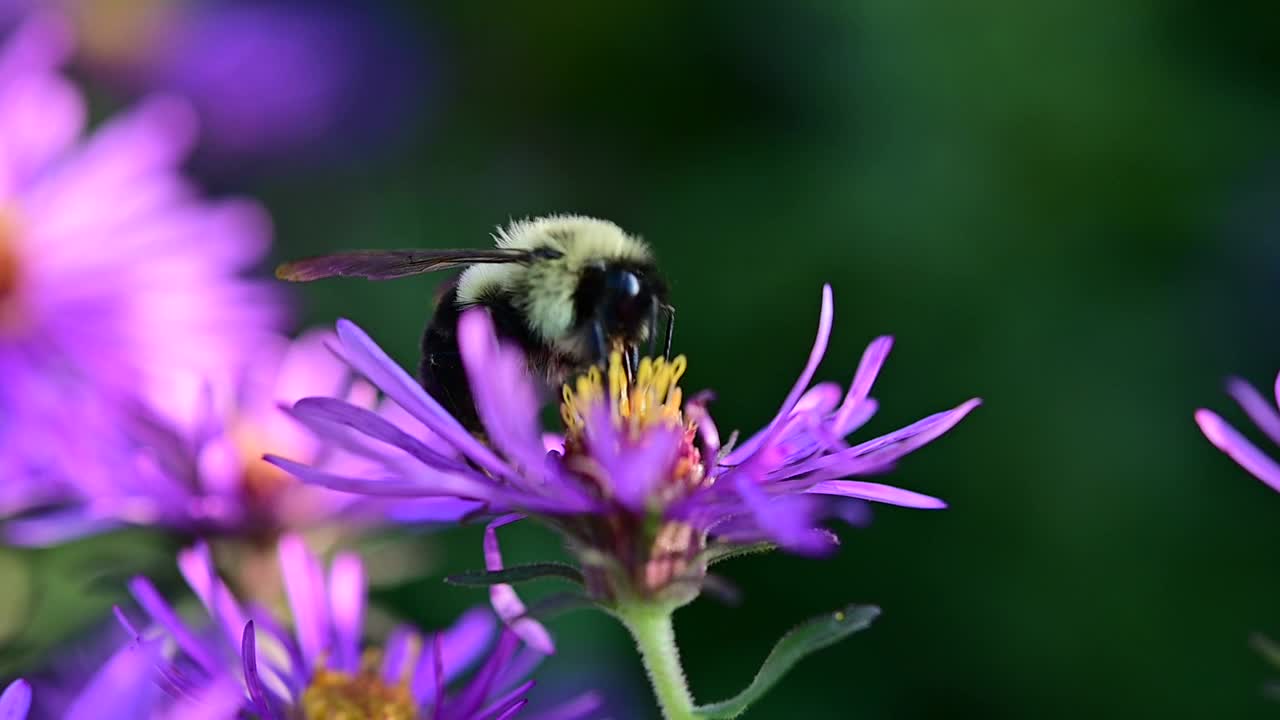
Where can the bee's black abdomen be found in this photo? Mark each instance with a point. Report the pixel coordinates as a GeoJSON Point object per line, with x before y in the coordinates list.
{"type": "Point", "coordinates": [441, 369]}
{"type": "Point", "coordinates": [442, 373]}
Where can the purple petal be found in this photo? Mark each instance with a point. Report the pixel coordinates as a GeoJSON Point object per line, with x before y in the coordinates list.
{"type": "Point", "coordinates": [16, 700]}
{"type": "Point", "coordinates": [347, 590]}
{"type": "Point", "coordinates": [196, 565]}
{"type": "Point", "coordinates": [868, 368]}
{"type": "Point", "coordinates": [459, 647]}
{"type": "Point", "coordinates": [58, 526]}
{"type": "Point", "coordinates": [504, 599]}
{"type": "Point", "coordinates": [218, 700]}
{"type": "Point", "coordinates": [399, 643]}
{"type": "Point", "coordinates": [427, 483]}
{"type": "Point", "coordinates": [506, 704]}
{"type": "Point", "coordinates": [882, 451]}
{"type": "Point", "coordinates": [304, 584]}
{"type": "Point", "coordinates": [359, 350]}
{"type": "Point", "coordinates": [127, 684]}
{"type": "Point", "coordinates": [512, 711]}
{"type": "Point", "coordinates": [877, 493]}
{"type": "Point", "coordinates": [766, 436]}
{"type": "Point", "coordinates": [789, 521]}
{"type": "Point", "coordinates": [370, 423]}
{"type": "Point", "coordinates": [1277, 390]}
{"type": "Point", "coordinates": [1238, 448]}
{"type": "Point", "coordinates": [633, 470]}
{"type": "Point", "coordinates": [505, 399]}
{"type": "Point", "coordinates": [252, 680]}
{"type": "Point", "coordinates": [433, 510]}
{"type": "Point", "coordinates": [1259, 410]}
{"type": "Point", "coordinates": [160, 611]}
{"type": "Point", "coordinates": [579, 707]}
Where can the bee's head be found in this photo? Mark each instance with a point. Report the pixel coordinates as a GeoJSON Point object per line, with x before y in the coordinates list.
{"type": "Point", "coordinates": [617, 303]}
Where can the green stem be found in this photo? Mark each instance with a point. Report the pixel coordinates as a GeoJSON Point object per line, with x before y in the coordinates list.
{"type": "Point", "coordinates": [656, 639]}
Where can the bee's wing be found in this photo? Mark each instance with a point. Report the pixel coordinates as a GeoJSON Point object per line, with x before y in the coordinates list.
{"type": "Point", "coordinates": [390, 264]}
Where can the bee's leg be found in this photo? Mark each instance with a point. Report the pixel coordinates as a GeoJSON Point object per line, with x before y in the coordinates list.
{"type": "Point", "coordinates": [653, 326]}
{"type": "Point", "coordinates": [633, 362]}
{"type": "Point", "coordinates": [671, 328]}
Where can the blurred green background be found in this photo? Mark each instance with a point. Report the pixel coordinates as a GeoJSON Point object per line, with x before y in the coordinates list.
{"type": "Point", "coordinates": [1069, 209]}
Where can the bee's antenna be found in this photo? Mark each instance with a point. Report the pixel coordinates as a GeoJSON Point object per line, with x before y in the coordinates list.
{"type": "Point", "coordinates": [671, 328]}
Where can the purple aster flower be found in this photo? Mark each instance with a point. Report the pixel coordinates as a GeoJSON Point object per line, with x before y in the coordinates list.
{"type": "Point", "coordinates": [269, 79]}
{"type": "Point", "coordinates": [1227, 439]}
{"type": "Point", "coordinates": [640, 482]}
{"type": "Point", "coordinates": [15, 701]}
{"type": "Point", "coordinates": [322, 669]}
{"type": "Point", "coordinates": [118, 283]}
{"type": "Point", "coordinates": [205, 476]}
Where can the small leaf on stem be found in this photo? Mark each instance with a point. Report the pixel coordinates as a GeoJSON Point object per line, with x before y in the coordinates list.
{"type": "Point", "coordinates": [809, 637]}
{"type": "Point", "coordinates": [517, 574]}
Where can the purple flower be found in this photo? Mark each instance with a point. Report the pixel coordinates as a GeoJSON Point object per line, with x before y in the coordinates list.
{"type": "Point", "coordinates": [322, 669]}
{"type": "Point", "coordinates": [269, 79]}
{"type": "Point", "coordinates": [205, 476]}
{"type": "Point", "coordinates": [640, 481]}
{"type": "Point", "coordinates": [1263, 414]}
{"type": "Point", "coordinates": [15, 701]}
{"type": "Point", "coordinates": [118, 283]}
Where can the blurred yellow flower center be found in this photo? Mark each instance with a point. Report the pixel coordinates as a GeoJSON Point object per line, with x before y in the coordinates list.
{"type": "Point", "coordinates": [334, 695]}
{"type": "Point", "coordinates": [261, 481]}
{"type": "Point", "coordinates": [119, 31]}
{"type": "Point", "coordinates": [652, 398]}
{"type": "Point", "coordinates": [10, 275]}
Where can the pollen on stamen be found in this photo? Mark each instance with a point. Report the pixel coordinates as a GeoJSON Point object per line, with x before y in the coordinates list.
{"type": "Point", "coordinates": [651, 397]}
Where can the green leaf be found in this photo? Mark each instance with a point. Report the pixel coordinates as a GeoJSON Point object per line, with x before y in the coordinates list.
{"type": "Point", "coordinates": [517, 574]}
{"type": "Point", "coordinates": [720, 553]}
{"type": "Point", "coordinates": [558, 604]}
{"type": "Point", "coordinates": [809, 637]}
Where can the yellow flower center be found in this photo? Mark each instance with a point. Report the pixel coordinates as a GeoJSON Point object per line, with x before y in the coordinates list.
{"type": "Point", "coordinates": [364, 695]}
{"type": "Point", "coordinates": [651, 398]}
{"type": "Point", "coordinates": [11, 317]}
{"type": "Point", "coordinates": [655, 554]}
{"type": "Point", "coordinates": [261, 481]}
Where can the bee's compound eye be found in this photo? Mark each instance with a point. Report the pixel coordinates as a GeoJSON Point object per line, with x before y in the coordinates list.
{"type": "Point", "coordinates": [621, 284]}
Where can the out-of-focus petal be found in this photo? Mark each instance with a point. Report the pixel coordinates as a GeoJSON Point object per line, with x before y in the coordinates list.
{"type": "Point", "coordinates": [1238, 448]}
{"type": "Point", "coordinates": [127, 686]}
{"type": "Point", "coordinates": [789, 521]}
{"type": "Point", "coordinates": [1259, 409]}
{"type": "Point", "coordinates": [16, 700]}
{"type": "Point", "coordinates": [504, 598]}
{"type": "Point", "coordinates": [304, 584]}
{"type": "Point", "coordinates": [347, 590]}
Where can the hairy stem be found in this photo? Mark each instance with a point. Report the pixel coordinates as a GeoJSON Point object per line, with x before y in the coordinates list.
{"type": "Point", "coordinates": [656, 639]}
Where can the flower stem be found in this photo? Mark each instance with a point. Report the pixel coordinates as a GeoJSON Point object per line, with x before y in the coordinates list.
{"type": "Point", "coordinates": [656, 640]}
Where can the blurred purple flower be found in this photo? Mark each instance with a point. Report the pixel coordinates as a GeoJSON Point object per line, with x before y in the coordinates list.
{"type": "Point", "coordinates": [636, 484]}
{"type": "Point", "coordinates": [205, 476]}
{"type": "Point", "coordinates": [118, 283]}
{"type": "Point", "coordinates": [15, 701]}
{"type": "Point", "coordinates": [268, 79]}
{"type": "Point", "coordinates": [125, 684]}
{"type": "Point", "coordinates": [320, 669]}
{"type": "Point", "coordinates": [1263, 414]}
